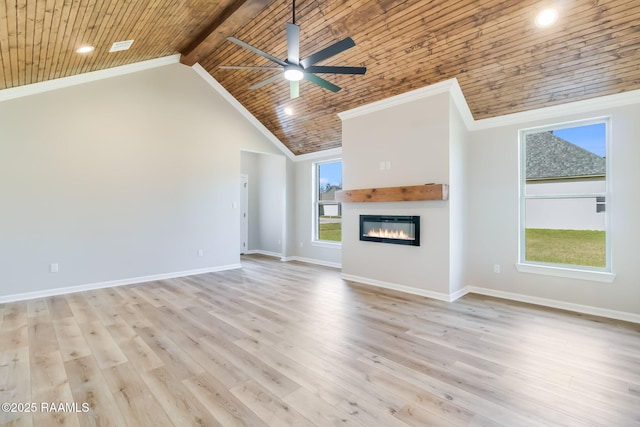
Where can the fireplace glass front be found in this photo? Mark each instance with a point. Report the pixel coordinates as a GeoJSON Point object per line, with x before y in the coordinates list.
{"type": "Point", "coordinates": [399, 230]}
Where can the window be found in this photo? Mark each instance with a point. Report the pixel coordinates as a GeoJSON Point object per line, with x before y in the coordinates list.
{"type": "Point", "coordinates": [327, 211]}
{"type": "Point", "coordinates": [564, 173]}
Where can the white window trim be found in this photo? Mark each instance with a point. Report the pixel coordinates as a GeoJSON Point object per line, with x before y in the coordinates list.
{"type": "Point", "coordinates": [561, 270]}
{"type": "Point", "coordinates": [314, 211]}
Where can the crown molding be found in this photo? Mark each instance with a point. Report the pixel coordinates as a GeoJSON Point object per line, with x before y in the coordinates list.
{"type": "Point", "coordinates": [461, 103]}
{"type": "Point", "coordinates": [403, 98]}
{"type": "Point", "coordinates": [241, 109]}
{"type": "Point", "coordinates": [453, 87]}
{"type": "Point", "coordinates": [316, 155]}
{"type": "Point", "coordinates": [553, 112]}
{"type": "Point", "coordinates": [63, 82]}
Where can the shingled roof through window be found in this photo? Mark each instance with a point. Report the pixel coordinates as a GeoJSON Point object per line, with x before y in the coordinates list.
{"type": "Point", "coordinates": [549, 157]}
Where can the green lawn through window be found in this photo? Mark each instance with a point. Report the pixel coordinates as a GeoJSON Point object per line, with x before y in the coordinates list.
{"type": "Point", "coordinates": [331, 231]}
{"type": "Point", "coordinates": [575, 247]}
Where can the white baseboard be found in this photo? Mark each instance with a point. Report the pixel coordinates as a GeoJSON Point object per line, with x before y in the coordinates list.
{"type": "Point", "coordinates": [579, 308]}
{"type": "Point", "coordinates": [261, 252]}
{"type": "Point", "coordinates": [402, 288]}
{"type": "Point", "coordinates": [459, 294]}
{"type": "Point", "coordinates": [130, 281]}
{"type": "Point", "coordinates": [312, 261]}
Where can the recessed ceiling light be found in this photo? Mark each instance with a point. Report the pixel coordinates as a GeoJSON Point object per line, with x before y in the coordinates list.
{"type": "Point", "coordinates": [288, 111]}
{"type": "Point", "coordinates": [85, 49]}
{"type": "Point", "coordinates": [546, 18]}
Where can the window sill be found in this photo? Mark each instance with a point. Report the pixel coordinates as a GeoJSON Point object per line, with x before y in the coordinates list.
{"type": "Point", "coordinates": [571, 273]}
{"type": "Point", "coordinates": [326, 244]}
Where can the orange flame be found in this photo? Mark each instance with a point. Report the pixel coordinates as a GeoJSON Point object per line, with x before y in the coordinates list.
{"type": "Point", "coordinates": [389, 234]}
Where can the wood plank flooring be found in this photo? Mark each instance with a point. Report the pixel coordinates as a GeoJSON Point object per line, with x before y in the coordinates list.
{"type": "Point", "coordinates": [291, 344]}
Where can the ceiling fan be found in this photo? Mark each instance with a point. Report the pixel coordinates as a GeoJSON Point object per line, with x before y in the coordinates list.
{"type": "Point", "coordinates": [295, 69]}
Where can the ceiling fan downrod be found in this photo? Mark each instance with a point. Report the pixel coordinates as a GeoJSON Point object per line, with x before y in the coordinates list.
{"type": "Point", "coordinates": [295, 69]}
{"type": "Point", "coordinates": [294, 12]}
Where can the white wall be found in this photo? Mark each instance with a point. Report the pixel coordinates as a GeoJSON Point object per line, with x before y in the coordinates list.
{"type": "Point", "coordinates": [267, 210]}
{"type": "Point", "coordinates": [271, 196]}
{"type": "Point", "coordinates": [291, 220]}
{"type": "Point", "coordinates": [272, 202]}
{"type": "Point", "coordinates": [120, 178]}
{"type": "Point", "coordinates": [414, 138]}
{"type": "Point", "coordinates": [493, 216]}
{"type": "Point", "coordinates": [129, 176]}
{"type": "Point", "coordinates": [458, 140]}
{"type": "Point", "coordinates": [481, 217]}
{"type": "Point", "coordinates": [249, 166]}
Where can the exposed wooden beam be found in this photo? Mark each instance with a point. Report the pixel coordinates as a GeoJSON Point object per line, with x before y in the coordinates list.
{"type": "Point", "coordinates": [236, 15]}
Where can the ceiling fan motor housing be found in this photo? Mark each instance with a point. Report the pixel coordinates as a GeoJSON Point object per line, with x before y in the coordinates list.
{"type": "Point", "coordinates": [295, 69]}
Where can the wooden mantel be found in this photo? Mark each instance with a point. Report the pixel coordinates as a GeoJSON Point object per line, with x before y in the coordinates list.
{"type": "Point", "coordinates": [395, 194]}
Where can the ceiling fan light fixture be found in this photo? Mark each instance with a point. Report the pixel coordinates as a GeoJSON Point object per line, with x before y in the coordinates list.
{"type": "Point", "coordinates": [294, 68]}
{"type": "Point", "coordinates": [293, 74]}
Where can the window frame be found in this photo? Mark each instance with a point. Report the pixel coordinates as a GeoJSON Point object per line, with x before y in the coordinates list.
{"type": "Point", "coordinates": [315, 236]}
{"type": "Point", "coordinates": [601, 274]}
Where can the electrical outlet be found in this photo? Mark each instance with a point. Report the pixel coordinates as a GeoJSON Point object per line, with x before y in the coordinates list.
{"type": "Point", "coordinates": [54, 268]}
{"type": "Point", "coordinates": [496, 268]}
{"type": "Point", "coordinates": [200, 252]}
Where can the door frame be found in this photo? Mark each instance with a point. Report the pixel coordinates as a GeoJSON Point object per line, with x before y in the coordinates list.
{"type": "Point", "coordinates": [244, 213]}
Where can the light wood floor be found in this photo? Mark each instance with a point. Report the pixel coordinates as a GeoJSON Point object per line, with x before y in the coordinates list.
{"type": "Point", "coordinates": [293, 344]}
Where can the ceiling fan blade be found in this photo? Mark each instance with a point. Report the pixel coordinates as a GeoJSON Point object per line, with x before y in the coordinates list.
{"type": "Point", "coordinates": [247, 67]}
{"type": "Point", "coordinates": [321, 82]}
{"type": "Point", "coordinates": [266, 82]}
{"type": "Point", "coordinates": [335, 70]}
{"type": "Point", "coordinates": [256, 50]}
{"type": "Point", "coordinates": [294, 88]}
{"type": "Point", "coordinates": [328, 52]}
{"type": "Point", "coordinates": [293, 44]}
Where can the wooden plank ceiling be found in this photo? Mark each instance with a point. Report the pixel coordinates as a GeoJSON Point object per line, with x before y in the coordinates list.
{"type": "Point", "coordinates": [503, 62]}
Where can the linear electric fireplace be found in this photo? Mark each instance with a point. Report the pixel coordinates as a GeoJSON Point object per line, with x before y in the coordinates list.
{"type": "Point", "coordinates": [399, 230]}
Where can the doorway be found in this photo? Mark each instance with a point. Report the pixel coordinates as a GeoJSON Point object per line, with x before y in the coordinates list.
{"type": "Point", "coordinates": [265, 222]}
{"type": "Point", "coordinates": [244, 213]}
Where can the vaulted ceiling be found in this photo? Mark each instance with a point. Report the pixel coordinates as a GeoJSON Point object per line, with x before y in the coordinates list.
{"type": "Point", "coordinates": [503, 62]}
